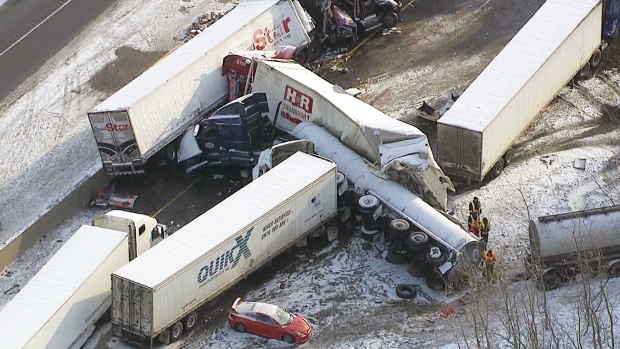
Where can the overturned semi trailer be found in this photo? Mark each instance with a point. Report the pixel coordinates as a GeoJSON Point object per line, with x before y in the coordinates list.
{"type": "Point", "coordinates": [464, 247]}
{"type": "Point", "coordinates": [296, 94]}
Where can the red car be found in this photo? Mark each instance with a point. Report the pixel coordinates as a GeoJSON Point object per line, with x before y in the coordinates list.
{"type": "Point", "coordinates": [269, 321]}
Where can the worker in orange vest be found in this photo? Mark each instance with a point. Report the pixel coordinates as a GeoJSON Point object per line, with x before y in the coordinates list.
{"type": "Point", "coordinates": [472, 222]}
{"type": "Point", "coordinates": [489, 258]}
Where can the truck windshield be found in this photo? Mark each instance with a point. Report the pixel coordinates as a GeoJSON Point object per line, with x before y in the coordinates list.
{"type": "Point", "coordinates": [282, 317]}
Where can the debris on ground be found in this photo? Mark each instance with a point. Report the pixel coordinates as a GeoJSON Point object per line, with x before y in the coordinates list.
{"type": "Point", "coordinates": [390, 31]}
{"type": "Point", "coordinates": [107, 197]}
{"type": "Point", "coordinates": [450, 312]}
{"type": "Point", "coordinates": [13, 289]}
{"type": "Point", "coordinates": [580, 164]}
{"type": "Point", "coordinates": [200, 23]}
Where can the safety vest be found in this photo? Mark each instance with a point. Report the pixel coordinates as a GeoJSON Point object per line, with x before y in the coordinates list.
{"type": "Point", "coordinates": [485, 227]}
{"type": "Point", "coordinates": [489, 258]}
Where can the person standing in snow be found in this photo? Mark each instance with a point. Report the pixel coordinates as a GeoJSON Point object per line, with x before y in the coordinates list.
{"type": "Point", "coordinates": [489, 258]}
{"type": "Point", "coordinates": [474, 206]}
{"type": "Point", "coordinates": [485, 226]}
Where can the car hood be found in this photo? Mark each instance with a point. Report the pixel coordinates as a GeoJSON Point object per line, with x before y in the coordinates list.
{"type": "Point", "coordinates": [299, 324]}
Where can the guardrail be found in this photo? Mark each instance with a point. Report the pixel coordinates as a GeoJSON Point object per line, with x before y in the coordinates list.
{"type": "Point", "coordinates": [51, 218]}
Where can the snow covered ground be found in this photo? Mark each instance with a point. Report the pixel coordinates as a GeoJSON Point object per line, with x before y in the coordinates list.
{"type": "Point", "coordinates": [347, 292]}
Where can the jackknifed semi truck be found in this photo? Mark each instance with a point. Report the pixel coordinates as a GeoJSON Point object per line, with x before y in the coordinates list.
{"type": "Point", "coordinates": [157, 296]}
{"type": "Point", "coordinates": [60, 305]}
{"type": "Point", "coordinates": [146, 117]}
{"type": "Point", "coordinates": [564, 40]}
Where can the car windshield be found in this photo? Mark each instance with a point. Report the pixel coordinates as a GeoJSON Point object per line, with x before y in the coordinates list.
{"type": "Point", "coordinates": [282, 317]}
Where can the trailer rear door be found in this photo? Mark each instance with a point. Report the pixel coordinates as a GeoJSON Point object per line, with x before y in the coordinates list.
{"type": "Point", "coordinates": [114, 135]}
{"type": "Point", "coordinates": [460, 151]}
{"type": "Point", "coordinates": [132, 307]}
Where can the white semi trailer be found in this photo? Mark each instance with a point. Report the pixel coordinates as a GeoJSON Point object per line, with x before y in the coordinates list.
{"type": "Point", "coordinates": [295, 94]}
{"type": "Point", "coordinates": [562, 244]}
{"type": "Point", "coordinates": [60, 305]}
{"type": "Point", "coordinates": [145, 117]}
{"type": "Point", "coordinates": [563, 39]}
{"type": "Point", "coordinates": [463, 249]}
{"type": "Point", "coordinates": [157, 295]}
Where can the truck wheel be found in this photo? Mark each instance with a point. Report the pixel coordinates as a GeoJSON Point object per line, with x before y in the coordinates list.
{"type": "Point", "coordinates": [614, 270]}
{"type": "Point", "coordinates": [416, 269]}
{"type": "Point", "coordinates": [288, 339]}
{"type": "Point", "coordinates": [405, 291]}
{"type": "Point", "coordinates": [417, 240]}
{"type": "Point", "coordinates": [399, 228]}
{"type": "Point", "coordinates": [368, 201]}
{"type": "Point", "coordinates": [177, 331]}
{"type": "Point", "coordinates": [397, 256]}
{"type": "Point", "coordinates": [584, 73]}
{"type": "Point", "coordinates": [435, 257]}
{"type": "Point", "coordinates": [551, 280]}
{"type": "Point", "coordinates": [191, 320]}
{"type": "Point", "coordinates": [508, 157]}
{"type": "Point", "coordinates": [497, 168]}
{"type": "Point", "coordinates": [389, 20]}
{"type": "Point", "coordinates": [595, 60]}
{"type": "Point", "coordinates": [239, 327]}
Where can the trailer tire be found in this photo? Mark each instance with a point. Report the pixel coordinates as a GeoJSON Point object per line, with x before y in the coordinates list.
{"type": "Point", "coordinates": [399, 228]}
{"type": "Point", "coordinates": [176, 331]}
{"type": "Point", "coordinates": [435, 256]}
{"type": "Point", "coordinates": [406, 291]}
{"type": "Point", "coordinates": [595, 60]}
{"type": "Point", "coordinates": [508, 157]}
{"type": "Point", "coordinates": [368, 201]}
{"type": "Point", "coordinates": [191, 320]}
{"type": "Point", "coordinates": [416, 269]}
{"type": "Point", "coordinates": [497, 168]}
{"type": "Point", "coordinates": [417, 241]}
{"type": "Point", "coordinates": [551, 280]}
{"type": "Point", "coordinates": [585, 72]}
{"type": "Point", "coordinates": [397, 256]}
{"type": "Point", "coordinates": [389, 20]}
{"type": "Point", "coordinates": [239, 327]}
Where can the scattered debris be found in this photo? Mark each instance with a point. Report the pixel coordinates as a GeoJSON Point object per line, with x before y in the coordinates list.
{"type": "Point", "coordinates": [7, 273]}
{"type": "Point", "coordinates": [448, 313]}
{"type": "Point", "coordinates": [580, 164]}
{"type": "Point", "coordinates": [199, 24]}
{"type": "Point", "coordinates": [13, 289]}
{"type": "Point", "coordinates": [106, 197]}
{"type": "Point", "coordinates": [390, 31]}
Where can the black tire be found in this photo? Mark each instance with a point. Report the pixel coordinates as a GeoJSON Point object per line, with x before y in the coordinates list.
{"type": "Point", "coordinates": [288, 339]}
{"type": "Point", "coordinates": [405, 291]}
{"type": "Point", "coordinates": [368, 201]}
{"type": "Point", "coordinates": [399, 228]}
{"type": "Point", "coordinates": [497, 168]}
{"type": "Point", "coordinates": [389, 20]}
{"type": "Point", "coordinates": [585, 72]}
{"type": "Point", "coordinates": [596, 58]}
{"type": "Point", "coordinates": [417, 269]}
{"type": "Point", "coordinates": [190, 321]}
{"type": "Point", "coordinates": [551, 280]}
{"type": "Point", "coordinates": [435, 257]}
{"type": "Point", "coordinates": [397, 256]}
{"type": "Point", "coordinates": [614, 270]}
{"type": "Point", "coordinates": [340, 178]}
{"type": "Point", "coordinates": [176, 331]}
{"type": "Point", "coordinates": [239, 327]}
{"type": "Point", "coordinates": [508, 157]}
{"type": "Point", "coordinates": [417, 241]}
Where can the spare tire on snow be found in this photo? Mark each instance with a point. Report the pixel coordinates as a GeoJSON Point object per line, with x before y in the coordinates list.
{"type": "Point", "coordinates": [406, 291]}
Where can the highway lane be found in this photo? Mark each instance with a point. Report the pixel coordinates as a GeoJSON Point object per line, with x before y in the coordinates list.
{"type": "Point", "coordinates": [31, 31]}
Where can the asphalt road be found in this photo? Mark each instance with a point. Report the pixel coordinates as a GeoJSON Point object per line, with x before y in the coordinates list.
{"type": "Point", "coordinates": [31, 31]}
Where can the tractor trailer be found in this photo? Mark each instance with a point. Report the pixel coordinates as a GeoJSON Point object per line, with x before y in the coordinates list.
{"type": "Point", "coordinates": [563, 244]}
{"type": "Point", "coordinates": [60, 305]}
{"type": "Point", "coordinates": [157, 296]}
{"type": "Point", "coordinates": [145, 117]}
{"type": "Point", "coordinates": [563, 40]}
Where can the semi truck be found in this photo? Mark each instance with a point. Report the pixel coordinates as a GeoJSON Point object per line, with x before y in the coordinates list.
{"type": "Point", "coordinates": [145, 118]}
{"type": "Point", "coordinates": [459, 250]}
{"type": "Point", "coordinates": [563, 40]}
{"type": "Point", "coordinates": [157, 296]}
{"type": "Point", "coordinates": [60, 305]}
{"type": "Point", "coordinates": [295, 94]}
{"type": "Point", "coordinates": [562, 245]}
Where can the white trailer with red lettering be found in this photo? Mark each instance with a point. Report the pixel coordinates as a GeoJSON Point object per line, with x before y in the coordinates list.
{"type": "Point", "coordinates": [148, 115]}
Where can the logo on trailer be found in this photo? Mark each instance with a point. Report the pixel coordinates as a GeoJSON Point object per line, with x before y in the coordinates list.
{"type": "Point", "coordinates": [298, 99]}
{"type": "Point", "coordinates": [228, 260]}
{"type": "Point", "coordinates": [273, 34]}
{"type": "Point", "coordinates": [110, 127]}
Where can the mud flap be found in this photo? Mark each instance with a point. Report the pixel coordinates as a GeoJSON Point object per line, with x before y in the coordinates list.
{"type": "Point", "coordinates": [302, 242]}
{"type": "Point", "coordinates": [164, 337]}
{"type": "Point", "coordinates": [332, 234]}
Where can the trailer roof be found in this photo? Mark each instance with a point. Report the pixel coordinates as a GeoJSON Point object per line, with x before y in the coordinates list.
{"type": "Point", "coordinates": [514, 66]}
{"type": "Point", "coordinates": [56, 282]}
{"type": "Point", "coordinates": [224, 221]}
{"type": "Point", "coordinates": [183, 56]}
